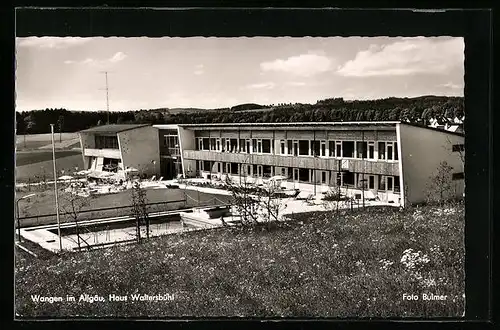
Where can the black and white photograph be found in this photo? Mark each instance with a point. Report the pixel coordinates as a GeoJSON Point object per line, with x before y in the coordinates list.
{"type": "Point", "coordinates": [264, 177]}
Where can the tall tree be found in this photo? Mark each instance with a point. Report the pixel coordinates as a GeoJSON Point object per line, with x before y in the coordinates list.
{"type": "Point", "coordinates": [60, 124]}
{"type": "Point", "coordinates": [29, 122]}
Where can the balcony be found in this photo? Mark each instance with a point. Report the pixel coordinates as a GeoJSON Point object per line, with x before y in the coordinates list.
{"type": "Point", "coordinates": [108, 153]}
{"type": "Point", "coordinates": [319, 163]}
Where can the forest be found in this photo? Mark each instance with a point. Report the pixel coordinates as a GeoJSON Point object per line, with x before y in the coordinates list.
{"type": "Point", "coordinates": [418, 110]}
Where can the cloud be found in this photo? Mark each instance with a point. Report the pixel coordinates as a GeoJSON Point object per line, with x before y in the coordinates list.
{"type": "Point", "coordinates": [301, 65]}
{"type": "Point", "coordinates": [406, 57]}
{"type": "Point", "coordinates": [264, 85]}
{"type": "Point", "coordinates": [295, 83]}
{"type": "Point", "coordinates": [52, 42]}
{"type": "Point", "coordinates": [199, 69]}
{"type": "Point", "coordinates": [117, 57]}
{"type": "Point", "coordinates": [451, 85]}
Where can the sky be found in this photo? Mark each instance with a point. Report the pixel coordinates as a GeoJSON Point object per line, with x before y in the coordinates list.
{"type": "Point", "coordinates": [147, 73]}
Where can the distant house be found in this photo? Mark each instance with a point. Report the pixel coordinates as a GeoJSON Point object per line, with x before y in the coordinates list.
{"type": "Point", "coordinates": [453, 125]}
{"type": "Point", "coordinates": [115, 148]}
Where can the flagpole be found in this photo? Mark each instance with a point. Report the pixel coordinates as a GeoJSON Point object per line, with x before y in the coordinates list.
{"type": "Point", "coordinates": [55, 186]}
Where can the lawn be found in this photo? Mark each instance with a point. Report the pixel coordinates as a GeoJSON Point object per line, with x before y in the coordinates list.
{"type": "Point", "coordinates": [33, 157]}
{"type": "Point", "coordinates": [67, 161]}
{"type": "Point", "coordinates": [44, 203]}
{"type": "Point", "coordinates": [35, 141]}
{"type": "Point", "coordinates": [323, 264]}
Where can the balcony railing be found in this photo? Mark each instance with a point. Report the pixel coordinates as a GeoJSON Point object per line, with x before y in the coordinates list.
{"type": "Point", "coordinates": [319, 163]}
{"type": "Point", "coordinates": [108, 153]}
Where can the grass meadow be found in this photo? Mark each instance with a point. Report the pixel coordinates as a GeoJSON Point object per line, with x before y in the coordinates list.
{"type": "Point", "coordinates": [35, 168]}
{"type": "Point", "coordinates": [324, 264]}
{"type": "Point", "coordinates": [34, 141]}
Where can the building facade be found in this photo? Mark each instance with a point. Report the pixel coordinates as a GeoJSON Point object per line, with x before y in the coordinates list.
{"type": "Point", "coordinates": [393, 161]}
{"type": "Point", "coordinates": [114, 148]}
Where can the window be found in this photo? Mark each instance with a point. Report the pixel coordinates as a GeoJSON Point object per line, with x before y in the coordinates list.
{"type": "Point", "coordinates": [381, 150]}
{"type": "Point", "coordinates": [458, 176]}
{"type": "Point", "coordinates": [315, 148]}
{"type": "Point", "coordinates": [371, 150]}
{"type": "Point", "coordinates": [268, 172]}
{"type": "Point", "coordinates": [396, 156]}
{"type": "Point", "coordinates": [217, 147]}
{"type": "Point", "coordinates": [323, 149]}
{"type": "Point", "coordinates": [234, 168]}
{"type": "Point", "coordinates": [323, 177]}
{"type": "Point", "coordinates": [254, 145]}
{"type": "Point", "coordinates": [266, 146]}
{"type": "Point", "coordinates": [212, 144]}
{"type": "Point", "coordinates": [295, 174]}
{"type": "Point", "coordinates": [331, 146]}
{"type": "Point", "coordinates": [390, 151]}
{"type": "Point", "coordinates": [199, 145]}
{"type": "Point", "coordinates": [106, 142]}
{"type": "Point", "coordinates": [224, 168]}
{"type": "Point", "coordinates": [348, 149]}
{"type": "Point", "coordinates": [206, 144]}
{"type": "Point", "coordinates": [207, 166]}
{"type": "Point", "coordinates": [390, 181]}
{"type": "Point", "coordinates": [397, 187]}
{"type": "Point", "coordinates": [242, 145]}
{"type": "Point", "coordinates": [303, 147]}
{"type": "Point", "coordinates": [348, 178]}
{"type": "Point", "coordinates": [219, 169]}
{"type": "Point", "coordinates": [338, 147]}
{"type": "Point", "coordinates": [457, 147]}
{"type": "Point", "coordinates": [282, 147]}
{"type": "Point", "coordinates": [295, 148]}
{"type": "Point", "coordinates": [228, 145]}
{"type": "Point", "coordinates": [361, 149]}
{"type": "Point", "coordinates": [248, 146]}
{"type": "Point", "coordinates": [304, 174]}
{"type": "Point", "coordinates": [289, 145]}
{"type": "Point", "coordinates": [233, 145]}
{"type": "Point", "coordinates": [381, 182]}
{"type": "Point", "coordinates": [283, 171]}
{"type": "Point", "coordinates": [371, 182]}
{"type": "Point", "coordinates": [259, 146]}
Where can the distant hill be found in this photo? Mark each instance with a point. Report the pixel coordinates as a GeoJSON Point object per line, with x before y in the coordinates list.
{"type": "Point", "coordinates": [247, 106]}
{"type": "Point", "coordinates": [420, 110]}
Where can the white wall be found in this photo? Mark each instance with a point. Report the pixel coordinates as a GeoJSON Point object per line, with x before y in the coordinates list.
{"type": "Point", "coordinates": [139, 147]}
{"type": "Point", "coordinates": [187, 141]}
{"type": "Point", "coordinates": [422, 152]}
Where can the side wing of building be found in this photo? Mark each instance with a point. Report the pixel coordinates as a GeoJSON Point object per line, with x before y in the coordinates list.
{"type": "Point", "coordinates": [422, 152]}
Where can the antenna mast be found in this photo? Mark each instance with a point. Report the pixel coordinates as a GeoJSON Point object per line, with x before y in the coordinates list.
{"type": "Point", "coordinates": [107, 94]}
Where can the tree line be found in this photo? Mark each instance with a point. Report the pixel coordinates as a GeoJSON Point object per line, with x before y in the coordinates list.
{"type": "Point", "coordinates": [419, 110]}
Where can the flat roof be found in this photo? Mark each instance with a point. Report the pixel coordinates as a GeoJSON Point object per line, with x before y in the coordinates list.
{"type": "Point", "coordinates": [327, 123]}
{"type": "Point", "coordinates": [315, 124]}
{"type": "Point", "coordinates": [114, 128]}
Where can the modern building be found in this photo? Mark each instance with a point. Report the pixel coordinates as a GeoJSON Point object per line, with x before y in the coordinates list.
{"type": "Point", "coordinates": [115, 148]}
{"type": "Point", "coordinates": [391, 160]}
